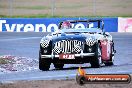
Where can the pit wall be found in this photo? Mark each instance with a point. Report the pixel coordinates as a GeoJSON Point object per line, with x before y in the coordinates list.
{"type": "Point", "coordinates": [51, 24]}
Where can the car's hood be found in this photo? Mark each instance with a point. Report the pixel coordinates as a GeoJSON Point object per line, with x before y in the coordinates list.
{"type": "Point", "coordinates": [65, 36]}
{"type": "Point", "coordinates": [54, 37]}
{"type": "Point", "coordinates": [75, 34]}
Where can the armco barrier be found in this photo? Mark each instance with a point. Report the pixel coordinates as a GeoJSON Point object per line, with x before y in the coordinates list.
{"type": "Point", "coordinates": [47, 24]}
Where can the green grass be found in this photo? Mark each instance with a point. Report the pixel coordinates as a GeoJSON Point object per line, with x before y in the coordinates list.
{"type": "Point", "coordinates": [6, 61]}
{"type": "Point", "coordinates": [70, 6]}
{"type": "Point", "coordinates": [56, 16]}
{"type": "Point", "coordinates": [3, 61]}
{"type": "Point", "coordinates": [29, 16]}
{"type": "Point", "coordinates": [33, 7]}
{"type": "Point", "coordinates": [66, 8]}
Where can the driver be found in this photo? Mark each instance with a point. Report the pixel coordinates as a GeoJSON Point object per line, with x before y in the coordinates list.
{"type": "Point", "coordinates": [66, 25]}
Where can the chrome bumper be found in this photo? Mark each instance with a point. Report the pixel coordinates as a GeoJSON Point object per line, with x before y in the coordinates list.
{"type": "Point", "coordinates": [76, 55]}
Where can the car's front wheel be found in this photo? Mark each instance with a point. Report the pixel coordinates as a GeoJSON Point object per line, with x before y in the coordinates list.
{"type": "Point", "coordinates": [44, 63]}
{"type": "Point", "coordinates": [96, 61]}
{"type": "Point", "coordinates": [58, 65]}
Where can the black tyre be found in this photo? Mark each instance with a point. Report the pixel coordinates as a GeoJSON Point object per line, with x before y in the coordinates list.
{"type": "Point", "coordinates": [44, 63]}
{"type": "Point", "coordinates": [58, 65]}
{"type": "Point", "coordinates": [109, 63]}
{"type": "Point", "coordinates": [96, 61]}
{"type": "Point", "coordinates": [80, 80]}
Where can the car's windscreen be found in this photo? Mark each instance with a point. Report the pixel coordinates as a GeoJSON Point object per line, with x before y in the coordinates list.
{"type": "Point", "coordinates": [80, 25]}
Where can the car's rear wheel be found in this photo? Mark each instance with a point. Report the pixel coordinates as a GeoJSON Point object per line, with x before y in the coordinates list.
{"type": "Point", "coordinates": [44, 63]}
{"type": "Point", "coordinates": [96, 61]}
{"type": "Point", "coordinates": [109, 63]}
{"type": "Point", "coordinates": [58, 65]}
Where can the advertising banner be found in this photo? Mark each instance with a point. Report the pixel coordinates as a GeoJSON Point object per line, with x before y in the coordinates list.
{"type": "Point", "coordinates": [124, 24]}
{"type": "Point", "coordinates": [48, 24]}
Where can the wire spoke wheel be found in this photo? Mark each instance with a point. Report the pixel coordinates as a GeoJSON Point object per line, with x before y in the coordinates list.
{"type": "Point", "coordinates": [99, 56]}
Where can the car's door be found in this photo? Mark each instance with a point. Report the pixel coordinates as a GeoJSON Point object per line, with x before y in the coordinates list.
{"type": "Point", "coordinates": [105, 48]}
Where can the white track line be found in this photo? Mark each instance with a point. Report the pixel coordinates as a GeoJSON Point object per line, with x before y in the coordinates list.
{"type": "Point", "coordinates": [13, 39]}
{"type": "Point", "coordinates": [40, 77]}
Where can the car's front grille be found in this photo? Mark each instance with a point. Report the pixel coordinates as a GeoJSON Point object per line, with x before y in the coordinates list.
{"type": "Point", "coordinates": [68, 46]}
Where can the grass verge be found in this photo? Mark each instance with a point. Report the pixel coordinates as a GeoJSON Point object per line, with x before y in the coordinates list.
{"type": "Point", "coordinates": [6, 60]}
{"type": "Point", "coordinates": [50, 16]}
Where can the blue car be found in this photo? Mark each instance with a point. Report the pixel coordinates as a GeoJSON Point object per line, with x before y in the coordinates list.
{"type": "Point", "coordinates": [76, 46]}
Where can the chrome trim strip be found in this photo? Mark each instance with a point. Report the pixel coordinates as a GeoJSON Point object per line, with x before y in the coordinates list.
{"type": "Point", "coordinates": [76, 55]}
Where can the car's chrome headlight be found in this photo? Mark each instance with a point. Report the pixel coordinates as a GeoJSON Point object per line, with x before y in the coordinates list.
{"type": "Point", "coordinates": [77, 49]}
{"type": "Point", "coordinates": [57, 50]}
{"type": "Point", "coordinates": [90, 41]}
{"type": "Point", "coordinates": [44, 43]}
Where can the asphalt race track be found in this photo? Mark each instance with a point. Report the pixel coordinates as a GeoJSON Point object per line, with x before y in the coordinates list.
{"type": "Point", "coordinates": [27, 45]}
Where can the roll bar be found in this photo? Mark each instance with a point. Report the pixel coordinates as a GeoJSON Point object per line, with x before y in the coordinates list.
{"type": "Point", "coordinates": [100, 22]}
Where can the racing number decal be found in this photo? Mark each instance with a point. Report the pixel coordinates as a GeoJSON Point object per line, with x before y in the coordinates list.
{"type": "Point", "coordinates": [66, 56]}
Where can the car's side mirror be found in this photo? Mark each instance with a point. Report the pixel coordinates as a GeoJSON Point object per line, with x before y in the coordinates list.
{"type": "Point", "coordinates": [103, 33]}
{"type": "Point", "coordinates": [59, 26]}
